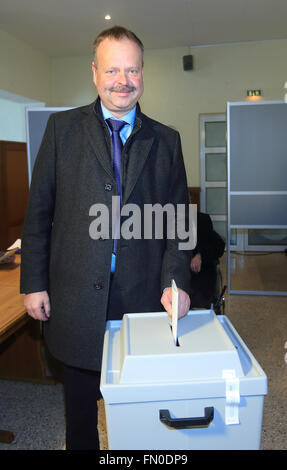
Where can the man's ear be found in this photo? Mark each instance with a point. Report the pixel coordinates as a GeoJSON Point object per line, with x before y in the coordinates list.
{"type": "Point", "coordinates": [94, 70]}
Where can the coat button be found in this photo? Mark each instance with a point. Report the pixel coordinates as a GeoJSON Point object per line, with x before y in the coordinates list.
{"type": "Point", "coordinates": [108, 186]}
{"type": "Point", "coordinates": [98, 286]}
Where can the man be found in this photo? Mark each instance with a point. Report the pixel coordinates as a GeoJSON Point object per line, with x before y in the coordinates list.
{"type": "Point", "coordinates": [66, 273]}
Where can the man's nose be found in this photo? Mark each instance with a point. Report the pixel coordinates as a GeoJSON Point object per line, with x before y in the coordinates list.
{"type": "Point", "coordinates": [122, 78]}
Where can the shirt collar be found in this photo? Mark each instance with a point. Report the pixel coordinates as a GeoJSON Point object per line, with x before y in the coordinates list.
{"type": "Point", "coordinates": [129, 118]}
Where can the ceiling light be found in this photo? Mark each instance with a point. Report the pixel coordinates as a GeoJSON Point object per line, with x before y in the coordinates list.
{"type": "Point", "coordinates": [108, 17]}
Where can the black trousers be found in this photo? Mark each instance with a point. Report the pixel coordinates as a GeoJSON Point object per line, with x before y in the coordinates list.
{"type": "Point", "coordinates": [82, 390]}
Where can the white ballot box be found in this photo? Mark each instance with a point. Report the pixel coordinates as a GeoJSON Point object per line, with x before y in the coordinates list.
{"type": "Point", "coordinates": [206, 392]}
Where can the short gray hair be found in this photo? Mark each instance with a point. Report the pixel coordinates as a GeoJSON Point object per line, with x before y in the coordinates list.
{"type": "Point", "coordinates": [117, 32]}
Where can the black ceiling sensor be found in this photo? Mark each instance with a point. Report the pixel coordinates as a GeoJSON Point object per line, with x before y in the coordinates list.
{"type": "Point", "coordinates": [187, 62]}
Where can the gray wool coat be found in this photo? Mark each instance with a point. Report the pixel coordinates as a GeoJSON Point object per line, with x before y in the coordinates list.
{"type": "Point", "coordinates": [73, 171]}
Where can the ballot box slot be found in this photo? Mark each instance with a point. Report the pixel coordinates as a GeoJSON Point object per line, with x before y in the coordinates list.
{"type": "Point", "coordinates": [177, 342]}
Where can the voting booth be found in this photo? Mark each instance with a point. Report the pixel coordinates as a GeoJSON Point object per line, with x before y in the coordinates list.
{"type": "Point", "coordinates": [203, 391]}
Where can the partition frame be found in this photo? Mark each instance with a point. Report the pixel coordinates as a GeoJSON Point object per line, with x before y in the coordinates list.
{"type": "Point", "coordinates": [243, 193]}
{"type": "Point", "coordinates": [51, 110]}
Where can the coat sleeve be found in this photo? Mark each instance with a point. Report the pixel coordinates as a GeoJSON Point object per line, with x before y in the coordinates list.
{"type": "Point", "coordinates": [35, 243]}
{"type": "Point", "coordinates": [176, 261]}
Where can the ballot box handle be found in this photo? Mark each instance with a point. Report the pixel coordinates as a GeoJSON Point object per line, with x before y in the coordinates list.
{"type": "Point", "coordinates": [181, 423]}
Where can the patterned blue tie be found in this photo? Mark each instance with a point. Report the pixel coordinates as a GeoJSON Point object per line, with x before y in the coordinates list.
{"type": "Point", "coordinates": [116, 127]}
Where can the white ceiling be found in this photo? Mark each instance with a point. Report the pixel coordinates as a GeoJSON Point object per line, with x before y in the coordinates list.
{"type": "Point", "coordinates": [68, 27]}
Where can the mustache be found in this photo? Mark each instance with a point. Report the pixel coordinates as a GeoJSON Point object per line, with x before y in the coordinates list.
{"type": "Point", "coordinates": [123, 89]}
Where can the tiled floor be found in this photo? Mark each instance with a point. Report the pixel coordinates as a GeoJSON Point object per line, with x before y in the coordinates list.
{"type": "Point", "coordinates": [36, 412]}
{"type": "Point", "coordinates": [258, 271]}
{"type": "Point", "coordinates": [261, 320]}
{"type": "Point", "coordinates": [262, 323]}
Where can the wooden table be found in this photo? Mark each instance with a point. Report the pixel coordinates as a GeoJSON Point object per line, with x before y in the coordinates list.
{"type": "Point", "coordinates": [12, 310]}
{"type": "Point", "coordinates": [21, 346]}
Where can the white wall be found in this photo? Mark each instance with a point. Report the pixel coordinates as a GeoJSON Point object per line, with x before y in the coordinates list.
{"type": "Point", "coordinates": [13, 116]}
{"type": "Point", "coordinates": [221, 74]}
{"type": "Point", "coordinates": [72, 83]}
{"type": "Point", "coordinates": [25, 81]}
{"type": "Point", "coordinates": [23, 69]}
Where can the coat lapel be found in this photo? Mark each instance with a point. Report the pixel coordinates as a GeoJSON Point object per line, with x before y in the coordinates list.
{"type": "Point", "coordinates": [95, 131]}
{"type": "Point", "coordinates": [139, 151]}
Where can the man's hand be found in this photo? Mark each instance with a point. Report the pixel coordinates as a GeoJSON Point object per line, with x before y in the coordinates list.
{"type": "Point", "coordinates": [183, 302]}
{"type": "Point", "coordinates": [195, 264]}
{"type": "Point", "coordinates": [38, 305]}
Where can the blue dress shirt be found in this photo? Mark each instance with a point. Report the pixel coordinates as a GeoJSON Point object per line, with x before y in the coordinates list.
{"type": "Point", "coordinates": [125, 132]}
{"type": "Point", "coordinates": [129, 118]}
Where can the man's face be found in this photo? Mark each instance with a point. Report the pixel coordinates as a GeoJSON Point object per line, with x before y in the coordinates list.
{"type": "Point", "coordinates": [118, 75]}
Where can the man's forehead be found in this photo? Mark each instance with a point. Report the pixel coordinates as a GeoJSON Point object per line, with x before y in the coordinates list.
{"type": "Point", "coordinates": [114, 47]}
